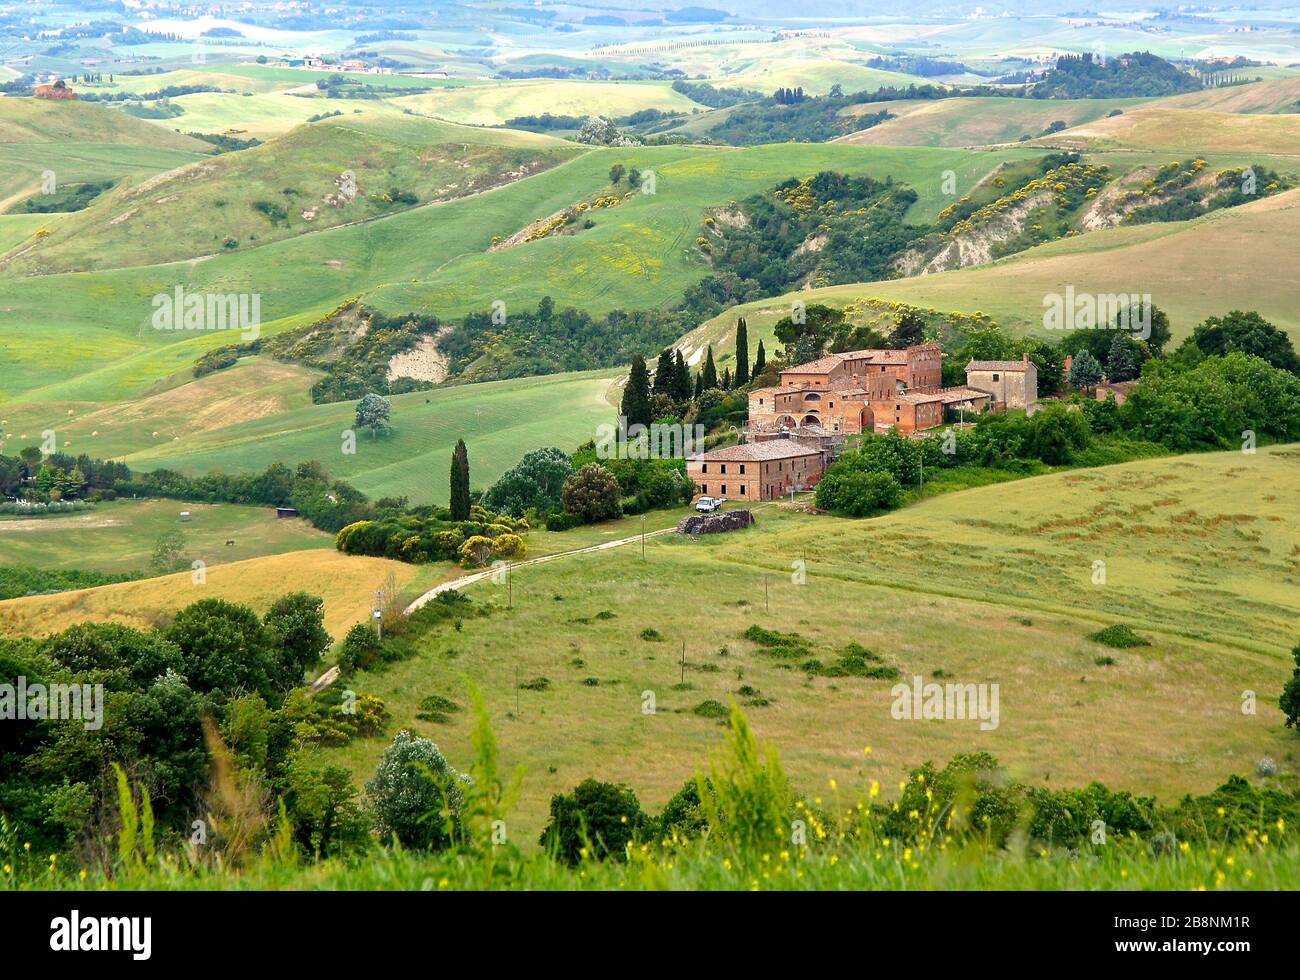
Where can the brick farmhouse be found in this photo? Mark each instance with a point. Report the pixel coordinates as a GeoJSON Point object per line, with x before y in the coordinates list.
{"type": "Point", "coordinates": [863, 391]}
{"type": "Point", "coordinates": [757, 470]}
{"type": "Point", "coordinates": [795, 428]}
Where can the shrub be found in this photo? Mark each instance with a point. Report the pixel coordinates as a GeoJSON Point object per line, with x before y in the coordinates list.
{"type": "Point", "coordinates": [1289, 702]}
{"type": "Point", "coordinates": [596, 821]}
{"type": "Point", "coordinates": [437, 708]}
{"type": "Point", "coordinates": [1119, 635]}
{"type": "Point", "coordinates": [711, 709]}
{"type": "Point", "coordinates": [592, 494]}
{"type": "Point", "coordinates": [509, 546]}
{"type": "Point", "coordinates": [536, 684]}
{"type": "Point", "coordinates": [476, 552]}
{"type": "Point", "coordinates": [858, 493]}
{"type": "Point", "coordinates": [416, 795]}
{"type": "Point", "coordinates": [361, 649]}
{"type": "Point", "coordinates": [562, 521]}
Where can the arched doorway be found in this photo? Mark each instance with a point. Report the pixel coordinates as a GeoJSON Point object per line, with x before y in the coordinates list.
{"type": "Point", "coordinates": [786, 422]}
{"type": "Point", "coordinates": [811, 419]}
{"type": "Point", "coordinates": [867, 420]}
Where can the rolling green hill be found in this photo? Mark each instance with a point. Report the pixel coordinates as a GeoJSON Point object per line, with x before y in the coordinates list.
{"type": "Point", "coordinates": [977, 121]}
{"type": "Point", "coordinates": [431, 258]}
{"type": "Point", "coordinates": [291, 186]}
{"type": "Point", "coordinates": [28, 120]}
{"type": "Point", "coordinates": [80, 142]}
{"type": "Point", "coordinates": [499, 421]}
{"type": "Point", "coordinates": [1182, 265]}
{"type": "Point", "coordinates": [491, 104]}
{"type": "Point", "coordinates": [989, 585]}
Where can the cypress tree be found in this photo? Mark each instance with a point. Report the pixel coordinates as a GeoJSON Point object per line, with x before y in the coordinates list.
{"type": "Point", "coordinates": [663, 384]}
{"type": "Point", "coordinates": [636, 396]}
{"type": "Point", "coordinates": [710, 372]}
{"type": "Point", "coordinates": [681, 380]}
{"type": "Point", "coordinates": [699, 385]}
{"type": "Point", "coordinates": [460, 482]}
{"type": "Point", "coordinates": [760, 360]}
{"type": "Point", "coordinates": [742, 353]}
{"type": "Point", "coordinates": [726, 379]}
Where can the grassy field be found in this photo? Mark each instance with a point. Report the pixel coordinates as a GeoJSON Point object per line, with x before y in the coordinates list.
{"type": "Point", "coordinates": [93, 327]}
{"type": "Point", "coordinates": [262, 116]}
{"type": "Point", "coordinates": [212, 206]}
{"type": "Point", "coordinates": [1270, 95]}
{"type": "Point", "coordinates": [119, 536]}
{"type": "Point", "coordinates": [499, 421]}
{"type": "Point", "coordinates": [79, 142]}
{"type": "Point", "coordinates": [346, 583]}
{"type": "Point", "coordinates": [814, 75]}
{"type": "Point", "coordinates": [493, 103]}
{"type": "Point", "coordinates": [26, 120]}
{"type": "Point", "coordinates": [1182, 265]}
{"type": "Point", "coordinates": [1188, 131]}
{"type": "Point", "coordinates": [977, 122]}
{"type": "Point", "coordinates": [990, 585]}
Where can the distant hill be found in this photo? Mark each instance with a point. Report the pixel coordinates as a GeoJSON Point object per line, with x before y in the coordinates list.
{"type": "Point", "coordinates": [1135, 75]}
{"type": "Point", "coordinates": [25, 120]}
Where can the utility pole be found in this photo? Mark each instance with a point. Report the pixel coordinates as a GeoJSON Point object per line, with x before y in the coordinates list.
{"type": "Point", "coordinates": [516, 690]}
{"type": "Point", "coordinates": [766, 606]}
{"type": "Point", "coordinates": [643, 537]}
{"type": "Point", "coordinates": [683, 661]}
{"type": "Point", "coordinates": [510, 587]}
{"type": "Point", "coordinates": [379, 614]}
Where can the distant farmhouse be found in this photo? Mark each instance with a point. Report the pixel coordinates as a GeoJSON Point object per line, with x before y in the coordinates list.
{"type": "Point", "coordinates": [1013, 384]}
{"type": "Point", "coordinates": [796, 429]}
{"type": "Point", "coordinates": [59, 90]}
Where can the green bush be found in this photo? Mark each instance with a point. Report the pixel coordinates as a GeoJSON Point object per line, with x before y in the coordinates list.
{"type": "Point", "coordinates": [711, 709]}
{"type": "Point", "coordinates": [417, 796]}
{"type": "Point", "coordinates": [1119, 635]}
{"type": "Point", "coordinates": [596, 821]}
{"type": "Point", "coordinates": [361, 649]}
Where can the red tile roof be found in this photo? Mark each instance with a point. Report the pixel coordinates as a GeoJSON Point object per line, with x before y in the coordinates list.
{"type": "Point", "coordinates": [757, 451]}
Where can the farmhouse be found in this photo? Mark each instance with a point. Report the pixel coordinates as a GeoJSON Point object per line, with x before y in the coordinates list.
{"type": "Point", "coordinates": [59, 90]}
{"type": "Point", "coordinates": [1013, 384]}
{"type": "Point", "coordinates": [757, 470]}
{"type": "Point", "coordinates": [863, 391]}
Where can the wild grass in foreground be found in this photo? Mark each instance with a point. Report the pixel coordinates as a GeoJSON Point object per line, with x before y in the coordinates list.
{"type": "Point", "coordinates": [955, 828]}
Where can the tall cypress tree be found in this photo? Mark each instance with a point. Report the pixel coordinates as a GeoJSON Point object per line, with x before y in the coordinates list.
{"type": "Point", "coordinates": [710, 372]}
{"type": "Point", "coordinates": [699, 385]}
{"type": "Point", "coordinates": [742, 353]}
{"type": "Point", "coordinates": [726, 379]}
{"type": "Point", "coordinates": [636, 396]}
{"type": "Point", "coordinates": [664, 374]}
{"type": "Point", "coordinates": [460, 482]}
{"type": "Point", "coordinates": [681, 380]}
{"type": "Point", "coordinates": [760, 360]}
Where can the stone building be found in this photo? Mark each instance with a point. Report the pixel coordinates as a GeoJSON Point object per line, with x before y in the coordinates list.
{"type": "Point", "coordinates": [1013, 384]}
